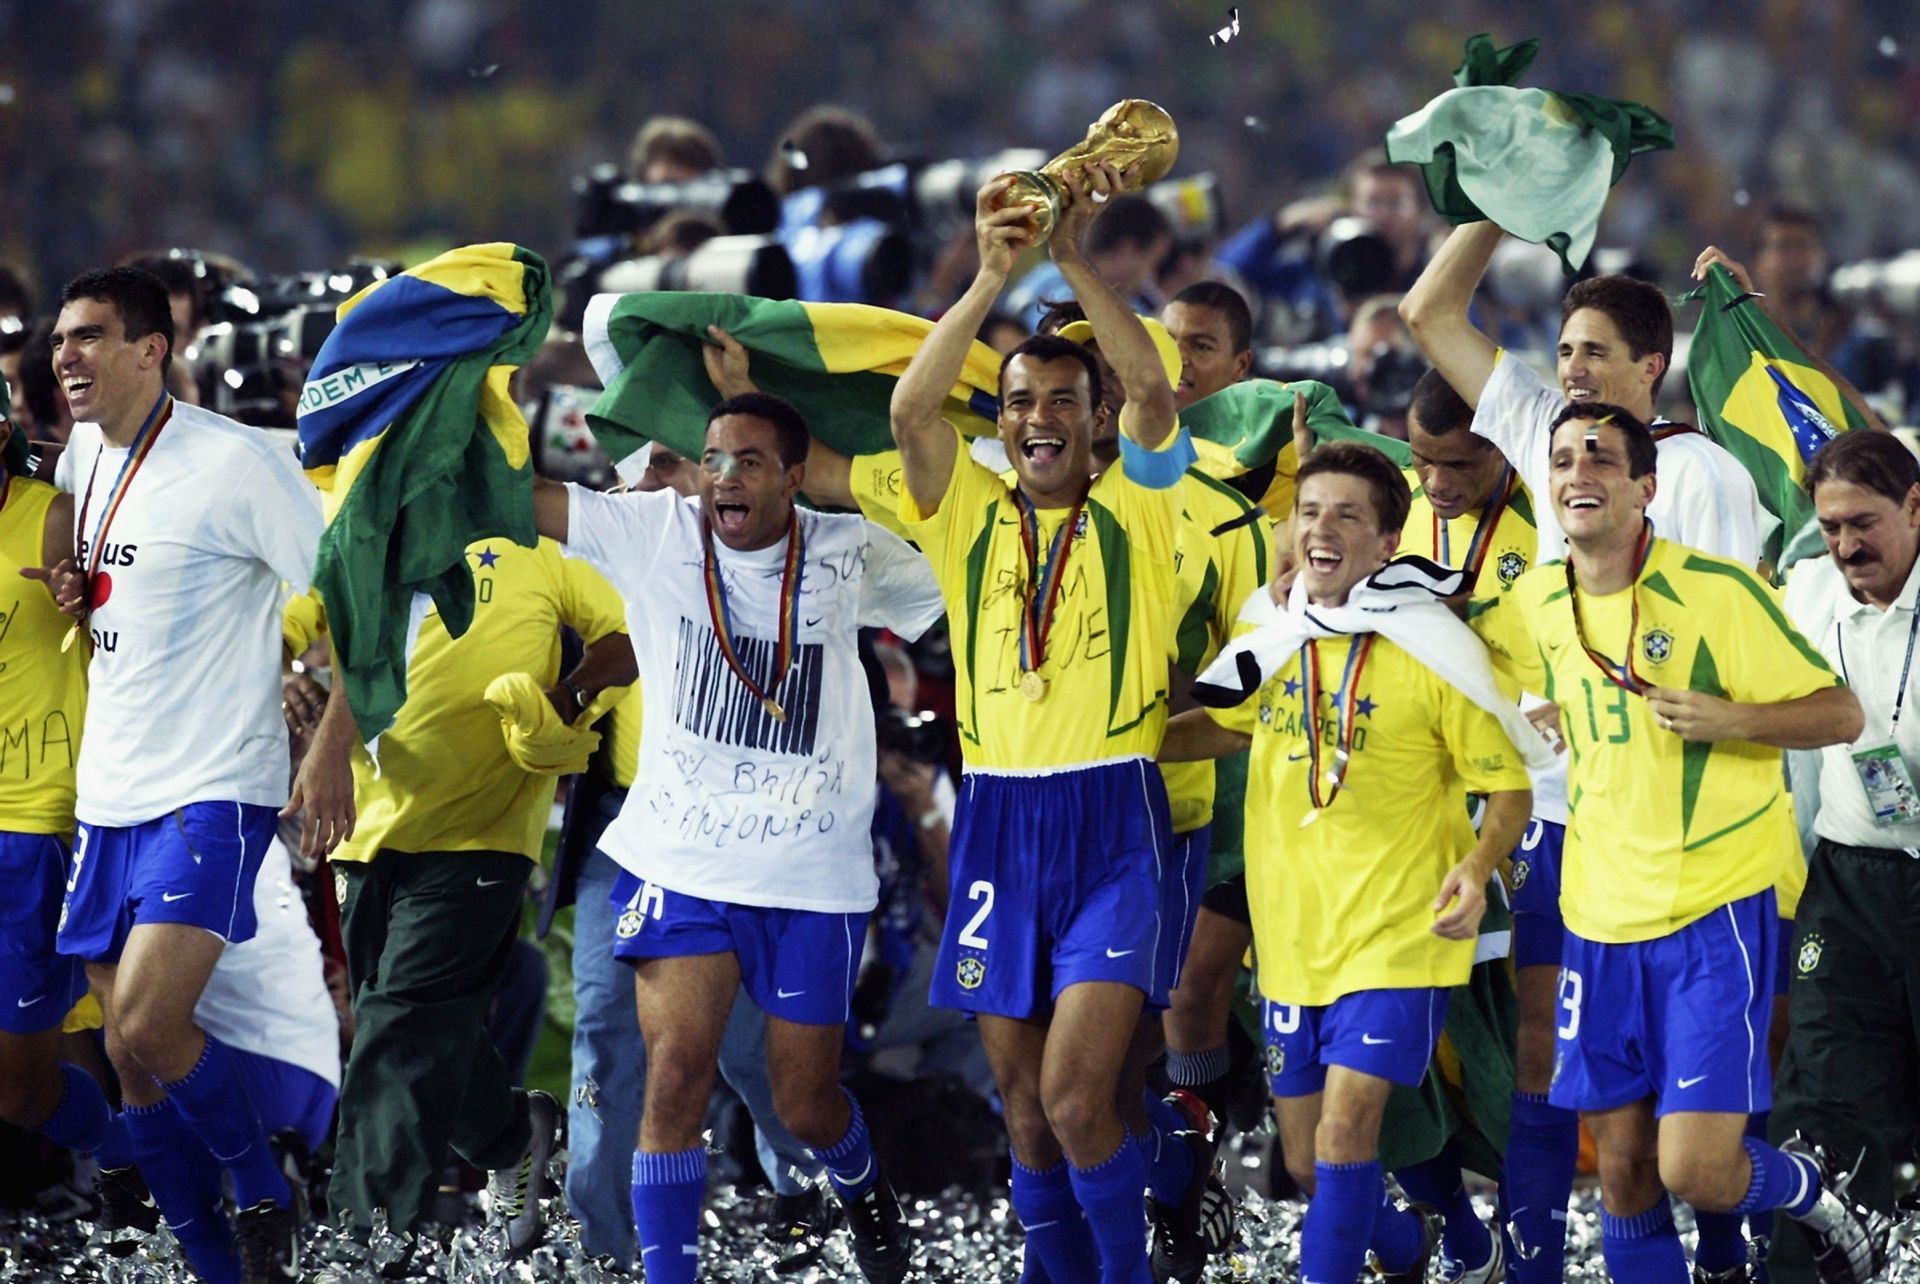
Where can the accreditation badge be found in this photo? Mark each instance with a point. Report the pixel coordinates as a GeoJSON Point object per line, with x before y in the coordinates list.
{"type": "Point", "coordinates": [1888, 782]}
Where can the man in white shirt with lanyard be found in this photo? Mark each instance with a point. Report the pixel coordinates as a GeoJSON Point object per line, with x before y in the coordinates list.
{"type": "Point", "coordinates": [745, 839]}
{"type": "Point", "coordinates": [1849, 1076]}
{"type": "Point", "coordinates": [187, 525]}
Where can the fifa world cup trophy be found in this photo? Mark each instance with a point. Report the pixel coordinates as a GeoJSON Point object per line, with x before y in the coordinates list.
{"type": "Point", "coordinates": [1132, 131]}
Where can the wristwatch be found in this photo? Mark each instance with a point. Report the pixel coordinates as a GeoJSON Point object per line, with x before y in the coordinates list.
{"type": "Point", "coordinates": [578, 693]}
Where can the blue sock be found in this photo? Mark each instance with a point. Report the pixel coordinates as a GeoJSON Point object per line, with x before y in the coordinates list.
{"type": "Point", "coordinates": [1169, 1159]}
{"type": "Point", "coordinates": [1109, 1194]}
{"type": "Point", "coordinates": [1060, 1247]}
{"type": "Point", "coordinates": [849, 1161]}
{"type": "Point", "coordinates": [1339, 1223]}
{"type": "Point", "coordinates": [214, 1102]}
{"type": "Point", "coordinates": [667, 1193]}
{"type": "Point", "coordinates": [1759, 1224]}
{"type": "Point", "coordinates": [1645, 1249]}
{"type": "Point", "coordinates": [80, 1121]}
{"type": "Point", "coordinates": [185, 1180]}
{"type": "Point", "coordinates": [116, 1149]}
{"type": "Point", "coordinates": [1723, 1244]}
{"type": "Point", "coordinates": [1438, 1183]}
{"type": "Point", "coordinates": [1543, 1146]}
{"type": "Point", "coordinates": [1399, 1236]}
{"type": "Point", "coordinates": [1780, 1181]}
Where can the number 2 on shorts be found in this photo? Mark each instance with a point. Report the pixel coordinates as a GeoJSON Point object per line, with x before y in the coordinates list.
{"type": "Point", "coordinates": [970, 936]}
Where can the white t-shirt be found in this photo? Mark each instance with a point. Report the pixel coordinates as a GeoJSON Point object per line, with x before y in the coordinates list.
{"type": "Point", "coordinates": [1704, 498]}
{"type": "Point", "coordinates": [184, 699]}
{"type": "Point", "coordinates": [268, 996]}
{"type": "Point", "coordinates": [727, 803]}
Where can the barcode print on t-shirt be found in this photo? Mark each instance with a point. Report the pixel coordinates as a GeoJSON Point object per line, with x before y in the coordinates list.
{"type": "Point", "coordinates": [712, 703]}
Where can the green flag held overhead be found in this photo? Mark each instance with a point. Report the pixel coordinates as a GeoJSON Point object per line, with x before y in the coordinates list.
{"type": "Point", "coordinates": [1536, 162]}
{"type": "Point", "coordinates": [1760, 397]}
{"type": "Point", "coordinates": [1248, 426]}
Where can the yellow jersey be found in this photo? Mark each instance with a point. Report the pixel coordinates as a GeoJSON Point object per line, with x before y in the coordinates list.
{"type": "Point", "coordinates": [1219, 561]}
{"type": "Point", "coordinates": [445, 782]}
{"type": "Point", "coordinates": [875, 483]}
{"type": "Point", "coordinates": [1503, 557]}
{"type": "Point", "coordinates": [1660, 830]}
{"type": "Point", "coordinates": [1105, 666]}
{"type": "Point", "coordinates": [43, 690]}
{"type": "Point", "coordinates": [1345, 903]}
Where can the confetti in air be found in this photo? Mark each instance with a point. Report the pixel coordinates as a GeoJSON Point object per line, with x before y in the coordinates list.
{"type": "Point", "coordinates": [481, 73]}
{"type": "Point", "coordinates": [1889, 47]}
{"type": "Point", "coordinates": [1229, 31]}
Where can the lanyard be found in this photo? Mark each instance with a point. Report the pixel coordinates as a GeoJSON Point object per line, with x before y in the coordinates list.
{"type": "Point", "coordinates": [1043, 582]}
{"type": "Point", "coordinates": [1621, 676]}
{"type": "Point", "coordinates": [1906, 667]}
{"type": "Point", "coordinates": [722, 616]}
{"type": "Point", "coordinates": [1482, 534]}
{"type": "Point", "coordinates": [123, 482]}
{"type": "Point", "coordinates": [1347, 701]}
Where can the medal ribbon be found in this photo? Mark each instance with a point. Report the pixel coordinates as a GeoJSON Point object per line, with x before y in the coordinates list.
{"type": "Point", "coordinates": [1482, 540]}
{"type": "Point", "coordinates": [1347, 701]}
{"type": "Point", "coordinates": [722, 616]}
{"type": "Point", "coordinates": [142, 446]}
{"type": "Point", "coordinates": [1623, 677]}
{"type": "Point", "coordinates": [1043, 582]}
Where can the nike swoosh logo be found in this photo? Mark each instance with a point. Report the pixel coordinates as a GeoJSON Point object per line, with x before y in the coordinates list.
{"type": "Point", "coordinates": [1372, 1042]}
{"type": "Point", "coordinates": [1118, 954]}
{"type": "Point", "coordinates": [1688, 1083]}
{"type": "Point", "coordinates": [794, 994]}
{"type": "Point", "coordinates": [815, 622]}
{"type": "Point", "coordinates": [27, 1003]}
{"type": "Point", "coordinates": [488, 882]}
{"type": "Point", "coordinates": [1296, 757]}
{"type": "Point", "coordinates": [170, 897]}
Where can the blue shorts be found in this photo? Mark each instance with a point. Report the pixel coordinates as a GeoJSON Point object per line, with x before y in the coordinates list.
{"type": "Point", "coordinates": [1181, 891]}
{"type": "Point", "coordinates": [1389, 1034]}
{"type": "Point", "coordinates": [1538, 931]}
{"type": "Point", "coordinates": [1056, 880]}
{"type": "Point", "coordinates": [196, 865]}
{"type": "Point", "coordinates": [798, 965]}
{"type": "Point", "coordinates": [285, 1095]}
{"type": "Point", "coordinates": [1681, 1018]}
{"type": "Point", "coordinates": [37, 983]}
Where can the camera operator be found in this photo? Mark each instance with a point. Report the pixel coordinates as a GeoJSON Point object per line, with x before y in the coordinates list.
{"type": "Point", "coordinates": [673, 149]}
{"type": "Point", "coordinates": [1383, 363]}
{"type": "Point", "coordinates": [1124, 247]}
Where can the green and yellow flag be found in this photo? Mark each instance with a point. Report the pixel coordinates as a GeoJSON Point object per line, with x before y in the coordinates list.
{"type": "Point", "coordinates": [407, 429]}
{"type": "Point", "coordinates": [1248, 426]}
{"type": "Point", "coordinates": [838, 362]}
{"type": "Point", "coordinates": [1758, 395]}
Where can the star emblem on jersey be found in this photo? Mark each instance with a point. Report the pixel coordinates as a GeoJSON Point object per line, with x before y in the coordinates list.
{"type": "Point", "coordinates": [1276, 1059]}
{"type": "Point", "coordinates": [1656, 645]}
{"type": "Point", "coordinates": [488, 557]}
{"type": "Point", "coordinates": [629, 924]}
{"type": "Point", "coordinates": [1364, 706]}
{"type": "Point", "coordinates": [1809, 957]}
{"type": "Point", "coordinates": [1519, 874]}
{"type": "Point", "coordinates": [971, 973]}
{"type": "Point", "coordinates": [1510, 567]}
{"type": "Point", "coordinates": [1292, 687]}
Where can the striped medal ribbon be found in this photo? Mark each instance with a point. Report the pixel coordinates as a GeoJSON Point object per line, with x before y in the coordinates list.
{"type": "Point", "coordinates": [142, 446]}
{"type": "Point", "coordinates": [1324, 787]}
{"type": "Point", "coordinates": [1043, 591]}
{"type": "Point", "coordinates": [722, 616]}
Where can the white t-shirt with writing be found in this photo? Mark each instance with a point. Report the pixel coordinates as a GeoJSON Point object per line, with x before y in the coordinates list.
{"type": "Point", "coordinates": [184, 698]}
{"type": "Point", "coordinates": [268, 995]}
{"type": "Point", "coordinates": [1702, 498]}
{"type": "Point", "coordinates": [729, 803]}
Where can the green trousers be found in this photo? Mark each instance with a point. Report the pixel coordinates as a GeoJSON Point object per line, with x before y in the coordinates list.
{"type": "Point", "coordinates": [427, 936]}
{"type": "Point", "coordinates": [1850, 1079]}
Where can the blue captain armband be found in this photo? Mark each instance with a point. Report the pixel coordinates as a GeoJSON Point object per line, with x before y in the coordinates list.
{"type": "Point", "coordinates": [1158, 469]}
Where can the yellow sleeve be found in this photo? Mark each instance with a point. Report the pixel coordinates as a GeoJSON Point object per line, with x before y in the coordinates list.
{"type": "Point", "coordinates": [1502, 623]}
{"type": "Point", "coordinates": [1244, 566]}
{"type": "Point", "coordinates": [302, 623]}
{"type": "Point", "coordinates": [1483, 757]}
{"type": "Point", "coordinates": [588, 604]}
{"type": "Point", "coordinates": [875, 483]}
{"type": "Point", "coordinates": [1768, 660]}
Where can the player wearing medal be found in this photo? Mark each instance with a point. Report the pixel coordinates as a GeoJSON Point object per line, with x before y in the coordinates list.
{"type": "Point", "coordinates": [1364, 874]}
{"type": "Point", "coordinates": [1060, 596]}
{"type": "Point", "coordinates": [1852, 1063]}
{"type": "Point", "coordinates": [1678, 682]}
{"type": "Point", "coordinates": [43, 699]}
{"type": "Point", "coordinates": [183, 760]}
{"type": "Point", "coordinates": [745, 838]}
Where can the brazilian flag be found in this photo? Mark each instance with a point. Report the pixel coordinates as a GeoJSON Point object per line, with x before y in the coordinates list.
{"type": "Point", "coordinates": [1758, 395]}
{"type": "Point", "coordinates": [838, 362]}
{"type": "Point", "coordinates": [407, 429]}
{"type": "Point", "coordinates": [1247, 428]}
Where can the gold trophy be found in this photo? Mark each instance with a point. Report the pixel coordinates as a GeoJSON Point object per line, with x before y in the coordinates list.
{"type": "Point", "coordinates": [1129, 132]}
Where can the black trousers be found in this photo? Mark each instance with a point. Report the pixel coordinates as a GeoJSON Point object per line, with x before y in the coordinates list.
{"type": "Point", "coordinates": [428, 936]}
{"type": "Point", "coordinates": [1850, 1079]}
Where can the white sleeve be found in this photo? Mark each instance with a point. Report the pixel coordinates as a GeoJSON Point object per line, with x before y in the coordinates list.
{"type": "Point", "coordinates": [276, 517]}
{"type": "Point", "coordinates": [618, 535]}
{"type": "Point", "coordinates": [1706, 500]}
{"type": "Point", "coordinates": [68, 464]}
{"type": "Point", "coordinates": [1516, 413]}
{"type": "Point", "coordinates": [898, 589]}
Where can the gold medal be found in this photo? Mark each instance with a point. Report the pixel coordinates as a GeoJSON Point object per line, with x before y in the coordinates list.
{"type": "Point", "coordinates": [1033, 686]}
{"type": "Point", "coordinates": [773, 708]}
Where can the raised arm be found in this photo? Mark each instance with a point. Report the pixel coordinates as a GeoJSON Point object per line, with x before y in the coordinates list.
{"type": "Point", "coordinates": [550, 509]}
{"type": "Point", "coordinates": [925, 441]}
{"type": "Point", "coordinates": [1150, 415]}
{"type": "Point", "coordinates": [1435, 309]}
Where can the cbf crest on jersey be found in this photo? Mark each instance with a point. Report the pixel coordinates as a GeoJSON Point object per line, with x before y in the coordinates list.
{"type": "Point", "coordinates": [1810, 950]}
{"type": "Point", "coordinates": [971, 973]}
{"type": "Point", "coordinates": [1520, 872]}
{"type": "Point", "coordinates": [1510, 566]}
{"type": "Point", "coordinates": [1656, 645]}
